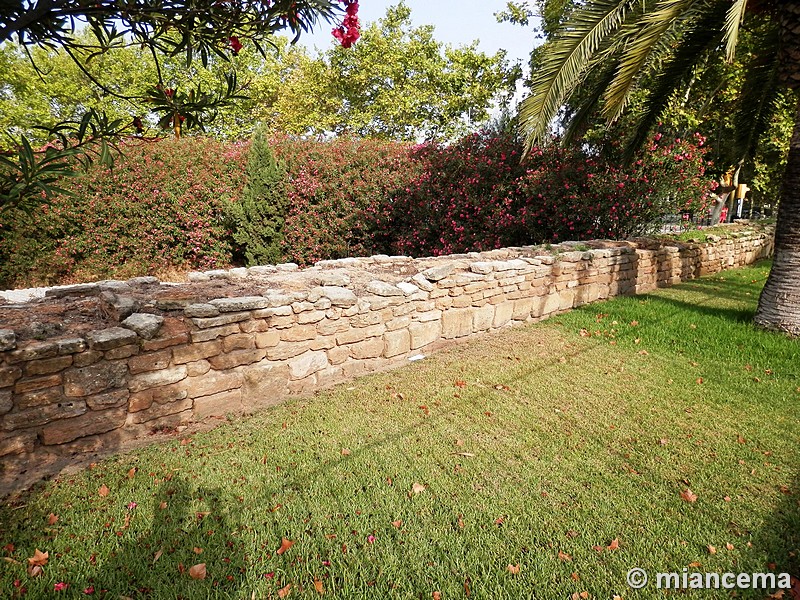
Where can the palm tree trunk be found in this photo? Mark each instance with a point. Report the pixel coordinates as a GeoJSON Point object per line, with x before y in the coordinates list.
{"type": "Point", "coordinates": [779, 305]}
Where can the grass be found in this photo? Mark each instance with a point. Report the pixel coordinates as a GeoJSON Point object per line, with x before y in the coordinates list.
{"type": "Point", "coordinates": [537, 447]}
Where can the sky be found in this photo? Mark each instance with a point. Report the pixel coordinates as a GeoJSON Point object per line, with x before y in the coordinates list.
{"type": "Point", "coordinates": [456, 22]}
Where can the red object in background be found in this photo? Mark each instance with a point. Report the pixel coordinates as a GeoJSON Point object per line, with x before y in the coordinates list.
{"type": "Point", "coordinates": [723, 216]}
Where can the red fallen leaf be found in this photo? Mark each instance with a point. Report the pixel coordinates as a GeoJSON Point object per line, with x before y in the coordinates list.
{"type": "Point", "coordinates": [132, 473]}
{"type": "Point", "coordinates": [52, 519]}
{"type": "Point", "coordinates": [318, 587]}
{"type": "Point", "coordinates": [694, 565]}
{"type": "Point", "coordinates": [330, 536]}
{"type": "Point", "coordinates": [634, 323]}
{"type": "Point", "coordinates": [772, 566]}
{"type": "Point", "coordinates": [344, 548]}
{"type": "Point", "coordinates": [582, 596]}
{"type": "Point", "coordinates": [688, 495]}
{"type": "Point", "coordinates": [417, 488]}
{"type": "Point", "coordinates": [397, 524]}
{"type": "Point", "coordinates": [699, 380]}
{"type": "Point", "coordinates": [284, 591]}
{"type": "Point", "coordinates": [9, 548]}
{"type": "Point", "coordinates": [574, 576]}
{"type": "Point", "coordinates": [437, 595]}
{"type": "Point", "coordinates": [198, 571]}
{"type": "Point", "coordinates": [488, 413]}
{"type": "Point", "coordinates": [424, 409]}
{"type": "Point", "coordinates": [514, 569]}
{"type": "Point", "coordinates": [572, 533]}
{"type": "Point", "coordinates": [614, 544]}
{"type": "Point", "coordinates": [598, 548]}
{"type": "Point", "coordinates": [460, 383]}
{"type": "Point", "coordinates": [103, 491]}
{"type": "Point", "coordinates": [748, 367]}
{"type": "Point", "coordinates": [499, 520]}
{"type": "Point", "coordinates": [181, 568]}
{"type": "Point", "coordinates": [564, 556]}
{"type": "Point", "coordinates": [711, 549]}
{"type": "Point", "coordinates": [285, 545]}
{"type": "Point", "coordinates": [785, 490]}
{"type": "Point", "coordinates": [39, 558]}
{"type": "Point", "coordinates": [727, 498]}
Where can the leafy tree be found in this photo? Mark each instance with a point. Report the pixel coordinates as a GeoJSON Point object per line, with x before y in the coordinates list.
{"type": "Point", "coordinates": [259, 216]}
{"type": "Point", "coordinates": [196, 29]}
{"type": "Point", "coordinates": [608, 48]}
{"type": "Point", "coordinates": [397, 83]}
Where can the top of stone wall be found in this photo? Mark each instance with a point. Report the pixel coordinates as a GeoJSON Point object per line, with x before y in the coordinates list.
{"type": "Point", "coordinates": [107, 314]}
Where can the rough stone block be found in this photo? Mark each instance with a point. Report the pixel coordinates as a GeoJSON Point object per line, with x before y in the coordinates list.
{"type": "Point", "coordinates": [223, 362]}
{"type": "Point", "coordinates": [264, 385]}
{"type": "Point", "coordinates": [355, 335]}
{"type": "Point", "coordinates": [152, 361]}
{"type": "Point", "coordinates": [396, 343]}
{"type": "Point", "coordinates": [425, 333]}
{"type": "Point", "coordinates": [308, 363]}
{"type": "Point", "coordinates": [145, 325]}
{"type": "Point", "coordinates": [218, 405]}
{"type": "Point", "coordinates": [504, 311]}
{"type": "Point", "coordinates": [157, 411]}
{"type": "Point", "coordinates": [483, 318]}
{"type": "Point", "coordinates": [238, 341]}
{"type": "Point", "coordinates": [438, 272]}
{"type": "Point", "coordinates": [70, 345]}
{"type": "Point", "coordinates": [338, 355]}
{"type": "Point", "coordinates": [201, 310]}
{"type": "Point", "coordinates": [339, 296]}
{"type": "Point", "coordinates": [172, 333]}
{"type": "Point", "coordinates": [197, 351]}
{"type": "Point", "coordinates": [161, 395]}
{"type": "Point", "coordinates": [18, 442]}
{"type": "Point", "coordinates": [213, 383]}
{"type": "Point", "coordinates": [153, 379]}
{"type": "Point", "coordinates": [41, 415]}
{"type": "Point", "coordinates": [8, 340]}
{"type": "Point", "coordinates": [9, 375]}
{"type": "Point", "coordinates": [91, 423]}
{"type": "Point", "coordinates": [371, 348]}
{"type": "Point", "coordinates": [522, 309]}
{"type": "Point", "coordinates": [6, 401]}
{"type": "Point", "coordinates": [38, 383]}
{"type": "Point", "coordinates": [33, 351]}
{"type": "Point", "coordinates": [219, 322]}
{"type": "Point", "coordinates": [52, 395]}
{"type": "Point", "coordinates": [87, 381]}
{"type": "Point", "coordinates": [299, 333]}
{"type": "Point", "coordinates": [110, 399]}
{"type": "Point", "coordinates": [86, 358]}
{"type": "Point", "coordinates": [113, 337]}
{"type": "Point", "coordinates": [232, 305]}
{"type": "Point", "coordinates": [314, 316]}
{"type": "Point", "coordinates": [121, 352]}
{"type": "Point", "coordinates": [381, 288]}
{"type": "Point", "coordinates": [456, 322]}
{"type": "Point", "coordinates": [254, 326]}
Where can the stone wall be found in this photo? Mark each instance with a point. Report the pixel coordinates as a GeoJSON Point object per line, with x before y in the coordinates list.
{"type": "Point", "coordinates": [164, 355]}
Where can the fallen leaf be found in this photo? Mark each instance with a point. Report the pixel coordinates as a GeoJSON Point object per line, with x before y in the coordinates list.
{"type": "Point", "coordinates": [318, 587]}
{"type": "Point", "coordinates": [598, 548]}
{"type": "Point", "coordinates": [197, 550]}
{"type": "Point", "coordinates": [513, 569]}
{"type": "Point", "coordinates": [461, 521]}
{"type": "Point", "coordinates": [437, 595]}
{"type": "Point", "coordinates": [465, 454]}
{"type": "Point", "coordinates": [34, 570]}
{"type": "Point", "coordinates": [460, 383]}
{"type": "Point", "coordinates": [198, 571]}
{"type": "Point", "coordinates": [727, 498]}
{"type": "Point", "coordinates": [783, 489]}
{"type": "Point", "coordinates": [52, 519]}
{"type": "Point", "coordinates": [694, 565]}
{"type": "Point", "coordinates": [574, 576]}
{"type": "Point", "coordinates": [614, 544]}
{"type": "Point", "coordinates": [132, 473]}
{"type": "Point", "coordinates": [711, 549]}
{"type": "Point", "coordinates": [663, 442]}
{"type": "Point", "coordinates": [103, 491]}
{"type": "Point", "coordinates": [572, 533]}
{"type": "Point", "coordinates": [157, 556]}
{"type": "Point", "coordinates": [643, 352]}
{"type": "Point", "coordinates": [564, 556]}
{"type": "Point", "coordinates": [585, 333]}
{"type": "Point", "coordinates": [417, 488]}
{"type": "Point", "coordinates": [459, 442]}
{"type": "Point", "coordinates": [740, 439]}
{"type": "Point", "coordinates": [285, 545]}
{"type": "Point", "coordinates": [397, 524]}
{"type": "Point", "coordinates": [39, 558]}
{"type": "Point", "coordinates": [284, 591]}
{"type": "Point", "coordinates": [699, 380]}
{"type": "Point", "coordinates": [634, 323]}
{"type": "Point", "coordinates": [162, 506]}
{"type": "Point", "coordinates": [688, 495]}
{"type": "Point", "coordinates": [729, 546]}
{"type": "Point", "coordinates": [345, 452]}
{"type": "Point", "coordinates": [181, 568]}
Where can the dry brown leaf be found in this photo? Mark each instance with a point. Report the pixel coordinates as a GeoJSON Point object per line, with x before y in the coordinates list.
{"type": "Point", "coordinates": [694, 565]}
{"type": "Point", "coordinates": [397, 524]}
{"type": "Point", "coordinates": [585, 333]}
{"type": "Point", "coordinates": [572, 533]}
{"type": "Point", "coordinates": [514, 569]}
{"type": "Point", "coordinates": [461, 521]}
{"type": "Point", "coordinates": [162, 506]}
{"type": "Point", "coordinates": [574, 576]}
{"type": "Point", "coordinates": [437, 595]}
{"type": "Point", "coordinates": [345, 451]}
{"type": "Point", "coordinates": [157, 556]}
{"type": "Point", "coordinates": [711, 549]}
{"type": "Point", "coordinates": [634, 323]}
{"type": "Point", "coordinates": [614, 544]}
{"type": "Point", "coordinates": [564, 556]}
{"type": "Point", "coordinates": [285, 545]}
{"type": "Point", "coordinates": [318, 587]}
{"type": "Point", "coordinates": [699, 380]}
{"type": "Point", "coordinates": [729, 546]}
{"type": "Point", "coordinates": [52, 519]}
{"type": "Point", "coordinates": [643, 352]}
{"type": "Point", "coordinates": [598, 548]}
{"type": "Point", "coordinates": [39, 558]}
{"type": "Point", "coordinates": [284, 591]}
{"type": "Point", "coordinates": [34, 570]}
{"type": "Point", "coordinates": [103, 491]}
{"type": "Point", "coordinates": [688, 495]}
{"type": "Point", "coordinates": [132, 473]}
{"type": "Point", "coordinates": [417, 488]}
{"type": "Point", "coordinates": [197, 550]}
{"type": "Point", "coordinates": [198, 571]}
{"type": "Point", "coordinates": [663, 442]}
{"type": "Point", "coordinates": [460, 383]}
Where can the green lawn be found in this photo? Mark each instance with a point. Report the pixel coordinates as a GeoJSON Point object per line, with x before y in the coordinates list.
{"type": "Point", "coordinates": [535, 448]}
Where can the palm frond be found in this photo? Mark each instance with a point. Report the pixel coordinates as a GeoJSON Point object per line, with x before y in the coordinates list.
{"type": "Point", "coordinates": [566, 62]}
{"type": "Point", "coordinates": [651, 28]}
{"type": "Point", "coordinates": [733, 19]}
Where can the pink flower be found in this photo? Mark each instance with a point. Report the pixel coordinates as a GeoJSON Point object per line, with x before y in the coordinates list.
{"type": "Point", "coordinates": [89, 590]}
{"type": "Point", "coordinates": [371, 539]}
{"type": "Point", "coordinates": [132, 505]}
{"type": "Point", "coordinates": [60, 586]}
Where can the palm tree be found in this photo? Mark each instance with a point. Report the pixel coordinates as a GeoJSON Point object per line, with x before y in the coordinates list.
{"type": "Point", "coordinates": [621, 43]}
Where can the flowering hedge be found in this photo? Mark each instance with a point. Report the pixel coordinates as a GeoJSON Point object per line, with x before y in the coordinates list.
{"type": "Point", "coordinates": [166, 206]}
{"type": "Point", "coordinates": [161, 208]}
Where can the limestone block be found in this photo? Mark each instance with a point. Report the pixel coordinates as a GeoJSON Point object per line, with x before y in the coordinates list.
{"type": "Point", "coordinates": [218, 322]}
{"type": "Point", "coordinates": [152, 361]}
{"type": "Point", "coordinates": [38, 383]}
{"type": "Point", "coordinates": [87, 381]}
{"type": "Point", "coordinates": [9, 375]}
{"type": "Point", "coordinates": [339, 296]}
{"type": "Point", "coordinates": [229, 360]}
{"type": "Point", "coordinates": [268, 339]}
{"type": "Point", "coordinates": [299, 333]}
{"type": "Point", "coordinates": [381, 288]}
{"type": "Point", "coordinates": [157, 411]}
{"type": "Point", "coordinates": [308, 363]}
{"type": "Point", "coordinates": [70, 345]}
{"type": "Point", "coordinates": [199, 367]}
{"type": "Point", "coordinates": [254, 326]}
{"type": "Point", "coordinates": [32, 351]}
{"type": "Point", "coordinates": [285, 350]}
{"type": "Point", "coordinates": [213, 382]}
{"type": "Point", "coordinates": [422, 282]}
{"type": "Point", "coordinates": [161, 395]}
{"type": "Point", "coordinates": [456, 322]}
{"type": "Point", "coordinates": [145, 325]}
{"type": "Point", "coordinates": [522, 309]}
{"type": "Point", "coordinates": [483, 318]}
{"type": "Point", "coordinates": [18, 442]}
{"type": "Point", "coordinates": [113, 337]}
{"type": "Point", "coordinates": [42, 415]}
{"type": "Point", "coordinates": [153, 379]}
{"type": "Point", "coordinates": [172, 333]}
{"type": "Point", "coordinates": [439, 272]}
{"type": "Point", "coordinates": [193, 352]}
{"type": "Point", "coordinates": [235, 305]}
{"type": "Point", "coordinates": [6, 401]}
{"type": "Point", "coordinates": [52, 395]}
{"type": "Point", "coordinates": [354, 335]}
{"type": "Point", "coordinates": [264, 385]}
{"type": "Point", "coordinates": [338, 355]}
{"type": "Point", "coordinates": [424, 333]}
{"type": "Point", "coordinates": [8, 340]}
{"type": "Point", "coordinates": [238, 341]}
{"type": "Point", "coordinates": [201, 310]}
{"type": "Point", "coordinates": [396, 342]}
{"type": "Point", "coordinates": [504, 312]}
{"type": "Point", "coordinates": [314, 316]}
{"type": "Point", "coordinates": [106, 400]}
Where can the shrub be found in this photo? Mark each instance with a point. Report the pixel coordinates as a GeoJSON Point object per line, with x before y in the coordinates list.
{"type": "Point", "coordinates": [161, 208]}
{"type": "Point", "coordinates": [258, 218]}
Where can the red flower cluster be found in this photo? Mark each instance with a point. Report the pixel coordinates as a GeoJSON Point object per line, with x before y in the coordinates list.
{"type": "Point", "coordinates": [236, 45]}
{"type": "Point", "coordinates": [350, 29]}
